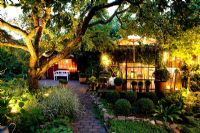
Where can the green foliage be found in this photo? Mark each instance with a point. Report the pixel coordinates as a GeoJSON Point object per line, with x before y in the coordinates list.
{"type": "Point", "coordinates": [18, 105]}
{"type": "Point", "coordinates": [63, 81]}
{"type": "Point", "coordinates": [30, 111]}
{"type": "Point", "coordinates": [98, 38]}
{"type": "Point", "coordinates": [150, 95]}
{"type": "Point", "coordinates": [194, 76]}
{"type": "Point", "coordinates": [134, 127]}
{"type": "Point", "coordinates": [190, 100]}
{"type": "Point", "coordinates": [58, 125]}
{"type": "Point", "coordinates": [118, 81]}
{"type": "Point", "coordinates": [181, 49]}
{"type": "Point", "coordinates": [144, 105]}
{"type": "Point", "coordinates": [92, 80]}
{"type": "Point", "coordinates": [168, 113]}
{"type": "Point", "coordinates": [14, 61]}
{"type": "Point", "coordinates": [187, 101]}
{"type": "Point", "coordinates": [131, 96]}
{"type": "Point", "coordinates": [59, 102]}
{"type": "Point", "coordinates": [122, 107]}
{"type": "Point", "coordinates": [174, 98]}
{"type": "Point", "coordinates": [105, 74]}
{"type": "Point", "coordinates": [30, 119]}
{"type": "Point", "coordinates": [162, 74]}
{"type": "Point", "coordinates": [191, 125]}
{"type": "Point", "coordinates": [112, 97]}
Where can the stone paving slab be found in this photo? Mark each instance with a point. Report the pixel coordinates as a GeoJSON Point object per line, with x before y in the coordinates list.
{"type": "Point", "coordinates": [86, 123]}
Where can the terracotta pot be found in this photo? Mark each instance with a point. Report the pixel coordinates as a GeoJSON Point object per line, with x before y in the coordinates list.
{"type": "Point", "coordinates": [140, 88]}
{"type": "Point", "coordinates": [118, 88]}
{"type": "Point", "coordinates": [160, 86]}
{"type": "Point", "coordinates": [63, 85]}
{"type": "Point", "coordinates": [82, 79]}
{"type": "Point", "coordinates": [147, 88]}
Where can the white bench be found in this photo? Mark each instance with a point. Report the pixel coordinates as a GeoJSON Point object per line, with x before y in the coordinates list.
{"type": "Point", "coordinates": [61, 73]}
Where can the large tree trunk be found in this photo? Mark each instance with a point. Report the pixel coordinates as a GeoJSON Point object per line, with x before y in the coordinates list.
{"type": "Point", "coordinates": [33, 79]}
{"type": "Point", "coordinates": [32, 74]}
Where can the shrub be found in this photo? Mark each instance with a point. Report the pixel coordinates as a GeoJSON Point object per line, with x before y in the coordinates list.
{"type": "Point", "coordinates": [161, 74]}
{"type": "Point", "coordinates": [167, 113]}
{"type": "Point", "coordinates": [112, 97]}
{"type": "Point", "coordinates": [18, 105]}
{"type": "Point", "coordinates": [145, 105]}
{"type": "Point", "coordinates": [63, 81]}
{"type": "Point", "coordinates": [59, 102]}
{"type": "Point", "coordinates": [118, 81]}
{"type": "Point", "coordinates": [120, 126]}
{"type": "Point", "coordinates": [131, 96]}
{"type": "Point", "coordinates": [150, 95]}
{"type": "Point", "coordinates": [174, 98]}
{"type": "Point", "coordinates": [30, 119]}
{"type": "Point", "coordinates": [111, 88]}
{"type": "Point", "coordinates": [58, 125]}
{"type": "Point", "coordinates": [92, 80]}
{"type": "Point", "coordinates": [122, 107]}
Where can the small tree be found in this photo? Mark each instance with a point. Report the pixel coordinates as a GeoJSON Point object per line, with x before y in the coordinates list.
{"type": "Point", "coordinates": [186, 47]}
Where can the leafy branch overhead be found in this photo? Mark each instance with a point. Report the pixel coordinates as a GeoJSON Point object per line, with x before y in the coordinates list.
{"type": "Point", "coordinates": [62, 23]}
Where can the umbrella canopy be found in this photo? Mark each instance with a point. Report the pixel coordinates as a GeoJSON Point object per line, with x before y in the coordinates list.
{"type": "Point", "coordinates": [135, 41]}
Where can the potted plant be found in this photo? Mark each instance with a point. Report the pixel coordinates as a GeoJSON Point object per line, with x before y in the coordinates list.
{"type": "Point", "coordinates": [63, 82]}
{"type": "Point", "coordinates": [134, 85]}
{"type": "Point", "coordinates": [118, 84]}
{"type": "Point", "coordinates": [92, 81]}
{"type": "Point", "coordinates": [140, 86]}
{"type": "Point", "coordinates": [82, 77]}
{"type": "Point", "coordinates": [147, 85]}
{"type": "Point", "coordinates": [161, 77]}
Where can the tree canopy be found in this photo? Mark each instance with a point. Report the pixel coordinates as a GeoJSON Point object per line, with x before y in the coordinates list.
{"type": "Point", "coordinates": [62, 25]}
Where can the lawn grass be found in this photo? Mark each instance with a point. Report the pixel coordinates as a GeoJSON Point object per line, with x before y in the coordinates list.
{"type": "Point", "coordinates": [119, 126]}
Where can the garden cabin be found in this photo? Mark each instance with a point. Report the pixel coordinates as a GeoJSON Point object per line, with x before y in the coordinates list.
{"type": "Point", "coordinates": [61, 69]}
{"type": "Point", "coordinates": [136, 60]}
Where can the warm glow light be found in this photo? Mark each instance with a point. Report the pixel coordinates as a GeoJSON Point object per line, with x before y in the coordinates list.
{"type": "Point", "coordinates": [168, 87]}
{"type": "Point", "coordinates": [14, 110]}
{"type": "Point", "coordinates": [165, 56]}
{"type": "Point", "coordinates": [176, 89]}
{"type": "Point", "coordinates": [46, 94]}
{"type": "Point", "coordinates": [105, 60]}
{"type": "Point", "coordinates": [186, 93]}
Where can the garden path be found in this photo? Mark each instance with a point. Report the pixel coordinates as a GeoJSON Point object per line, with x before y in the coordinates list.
{"type": "Point", "coordinates": [86, 123]}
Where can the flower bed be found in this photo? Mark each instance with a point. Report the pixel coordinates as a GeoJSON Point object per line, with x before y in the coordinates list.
{"type": "Point", "coordinates": [168, 112]}
{"type": "Point", "coordinates": [50, 110]}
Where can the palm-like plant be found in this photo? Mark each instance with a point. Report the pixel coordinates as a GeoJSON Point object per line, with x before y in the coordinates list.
{"type": "Point", "coordinates": [167, 113]}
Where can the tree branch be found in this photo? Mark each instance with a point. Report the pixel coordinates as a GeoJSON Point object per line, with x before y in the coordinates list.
{"type": "Point", "coordinates": [12, 28]}
{"type": "Point", "coordinates": [109, 19]}
{"type": "Point", "coordinates": [14, 45]}
{"type": "Point", "coordinates": [66, 51]}
{"type": "Point", "coordinates": [81, 31]}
